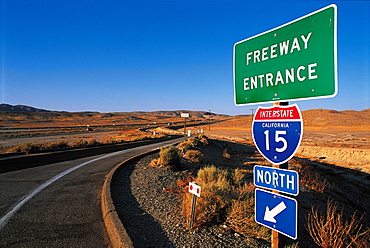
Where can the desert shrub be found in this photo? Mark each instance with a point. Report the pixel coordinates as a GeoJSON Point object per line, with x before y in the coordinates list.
{"type": "Point", "coordinates": [225, 198]}
{"type": "Point", "coordinates": [203, 139]}
{"type": "Point", "coordinates": [79, 143]}
{"type": "Point", "coordinates": [188, 144]}
{"type": "Point", "coordinates": [92, 142]}
{"type": "Point", "coordinates": [331, 230]}
{"type": "Point", "coordinates": [55, 145]}
{"type": "Point", "coordinates": [169, 157]}
{"type": "Point", "coordinates": [183, 182]}
{"type": "Point", "coordinates": [226, 154]}
{"type": "Point", "coordinates": [193, 142]}
{"type": "Point", "coordinates": [157, 162]}
{"type": "Point", "coordinates": [110, 140]}
{"type": "Point", "coordinates": [60, 144]}
{"type": "Point", "coordinates": [194, 156]}
{"type": "Point", "coordinates": [159, 136]}
{"type": "Point", "coordinates": [138, 138]}
{"type": "Point", "coordinates": [145, 136]}
{"type": "Point", "coordinates": [238, 177]}
{"type": "Point", "coordinates": [216, 197]}
{"type": "Point", "coordinates": [241, 213]}
{"type": "Point", "coordinates": [13, 149]}
{"type": "Point", "coordinates": [210, 174]}
{"type": "Point", "coordinates": [211, 207]}
{"type": "Point", "coordinates": [241, 219]}
{"type": "Point", "coordinates": [26, 148]}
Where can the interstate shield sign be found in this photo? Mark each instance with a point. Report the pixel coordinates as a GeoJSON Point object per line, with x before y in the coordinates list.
{"type": "Point", "coordinates": [277, 132]}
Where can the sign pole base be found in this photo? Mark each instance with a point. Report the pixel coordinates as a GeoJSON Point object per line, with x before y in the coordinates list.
{"type": "Point", "coordinates": [193, 203]}
{"type": "Point", "coordinates": [278, 240]}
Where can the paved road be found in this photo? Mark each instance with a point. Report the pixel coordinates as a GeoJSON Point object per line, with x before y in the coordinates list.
{"type": "Point", "coordinates": [58, 205]}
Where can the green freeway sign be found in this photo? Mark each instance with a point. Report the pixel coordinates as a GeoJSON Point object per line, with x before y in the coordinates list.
{"type": "Point", "coordinates": [296, 61]}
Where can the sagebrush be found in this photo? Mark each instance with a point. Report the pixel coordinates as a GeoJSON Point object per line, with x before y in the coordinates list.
{"type": "Point", "coordinates": [226, 198]}
{"type": "Point", "coordinates": [330, 229]}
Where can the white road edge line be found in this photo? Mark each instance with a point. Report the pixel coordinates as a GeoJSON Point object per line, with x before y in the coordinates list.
{"type": "Point", "coordinates": [5, 218]}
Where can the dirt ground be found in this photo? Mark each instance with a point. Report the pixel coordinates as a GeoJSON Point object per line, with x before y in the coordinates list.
{"type": "Point", "coordinates": [345, 146]}
{"type": "Point", "coordinates": [342, 146]}
{"type": "Point", "coordinates": [338, 157]}
{"type": "Point", "coordinates": [320, 181]}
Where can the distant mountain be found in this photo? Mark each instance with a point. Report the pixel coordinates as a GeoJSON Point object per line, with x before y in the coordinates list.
{"type": "Point", "coordinates": [25, 116]}
{"type": "Point", "coordinates": [20, 108]}
{"type": "Point", "coordinates": [326, 117]}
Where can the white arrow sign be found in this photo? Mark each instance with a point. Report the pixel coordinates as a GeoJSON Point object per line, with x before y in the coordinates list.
{"type": "Point", "coordinates": [270, 214]}
{"type": "Point", "coordinates": [277, 212]}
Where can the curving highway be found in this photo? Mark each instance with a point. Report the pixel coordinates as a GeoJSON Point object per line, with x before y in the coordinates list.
{"type": "Point", "coordinates": [58, 205]}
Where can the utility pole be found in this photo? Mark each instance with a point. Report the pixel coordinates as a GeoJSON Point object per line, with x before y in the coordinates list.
{"type": "Point", "coordinates": [185, 115]}
{"type": "Point", "coordinates": [209, 120]}
{"type": "Point", "coordinates": [252, 113]}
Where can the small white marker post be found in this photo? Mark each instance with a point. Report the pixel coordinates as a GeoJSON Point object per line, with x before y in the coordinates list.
{"type": "Point", "coordinates": [195, 190]}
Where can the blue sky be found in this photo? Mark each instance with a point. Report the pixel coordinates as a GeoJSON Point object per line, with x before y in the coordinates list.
{"type": "Point", "coordinates": [117, 56]}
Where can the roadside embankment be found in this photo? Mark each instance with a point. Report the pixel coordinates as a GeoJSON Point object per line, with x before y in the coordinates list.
{"type": "Point", "coordinates": [353, 158]}
{"type": "Point", "coordinates": [18, 162]}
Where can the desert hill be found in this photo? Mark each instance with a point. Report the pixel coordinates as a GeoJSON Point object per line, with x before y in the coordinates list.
{"type": "Point", "coordinates": [25, 116]}
{"type": "Point", "coordinates": [324, 117]}
{"type": "Point", "coordinates": [15, 116]}
{"type": "Point", "coordinates": [20, 108]}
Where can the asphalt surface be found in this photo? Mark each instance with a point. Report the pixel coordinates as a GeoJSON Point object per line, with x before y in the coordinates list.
{"type": "Point", "coordinates": [65, 211]}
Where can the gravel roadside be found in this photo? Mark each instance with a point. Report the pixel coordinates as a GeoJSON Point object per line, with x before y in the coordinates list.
{"type": "Point", "coordinates": [152, 216]}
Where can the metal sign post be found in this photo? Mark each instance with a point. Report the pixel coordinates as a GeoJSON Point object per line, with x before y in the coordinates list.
{"type": "Point", "coordinates": [278, 240]}
{"type": "Point", "coordinates": [185, 115]}
{"type": "Point", "coordinates": [195, 190]}
{"type": "Point", "coordinates": [193, 203]}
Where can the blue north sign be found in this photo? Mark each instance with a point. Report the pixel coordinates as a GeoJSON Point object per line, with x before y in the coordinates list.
{"type": "Point", "coordinates": [285, 181]}
{"type": "Point", "coordinates": [277, 212]}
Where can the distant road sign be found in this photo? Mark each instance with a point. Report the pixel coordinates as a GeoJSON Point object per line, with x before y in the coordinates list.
{"type": "Point", "coordinates": [285, 181]}
{"type": "Point", "coordinates": [295, 61]}
{"type": "Point", "coordinates": [185, 115]}
{"type": "Point", "coordinates": [277, 132]}
{"type": "Point", "coordinates": [277, 212]}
